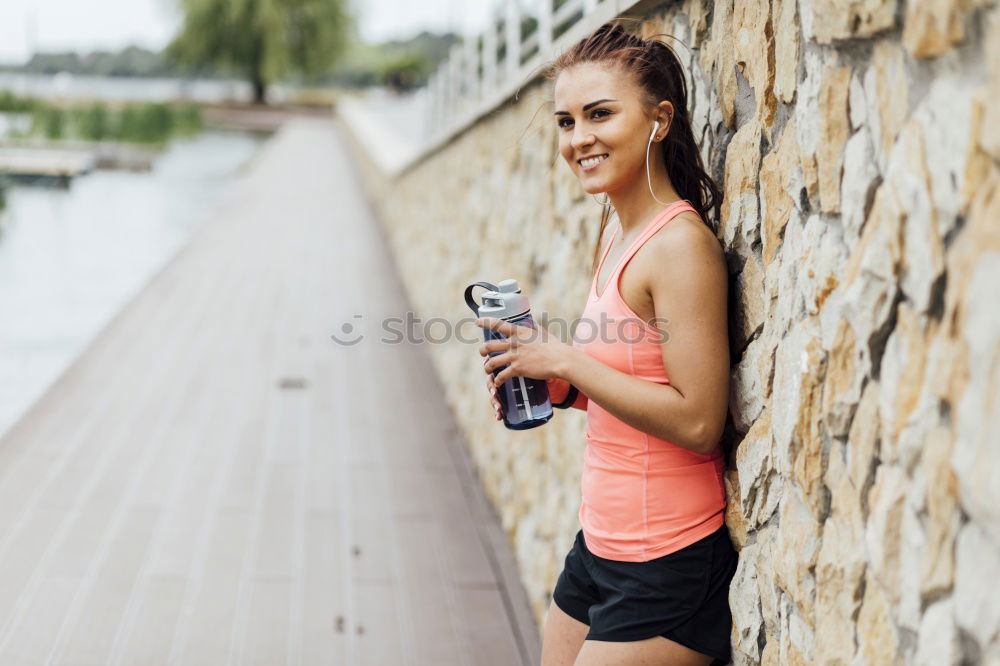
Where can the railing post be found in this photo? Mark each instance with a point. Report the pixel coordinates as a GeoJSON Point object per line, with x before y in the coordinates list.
{"type": "Point", "coordinates": [471, 70]}
{"type": "Point", "coordinates": [489, 56]}
{"type": "Point", "coordinates": [512, 34]}
{"type": "Point", "coordinates": [439, 109]}
{"type": "Point", "coordinates": [430, 109]}
{"type": "Point", "coordinates": [455, 83]}
{"type": "Point", "coordinates": [544, 28]}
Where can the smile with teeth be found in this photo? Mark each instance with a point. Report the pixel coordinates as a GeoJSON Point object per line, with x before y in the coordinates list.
{"type": "Point", "coordinates": [592, 162]}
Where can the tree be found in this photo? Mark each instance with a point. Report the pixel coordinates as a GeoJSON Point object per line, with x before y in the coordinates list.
{"type": "Point", "coordinates": [262, 39]}
{"type": "Point", "coordinates": [404, 71]}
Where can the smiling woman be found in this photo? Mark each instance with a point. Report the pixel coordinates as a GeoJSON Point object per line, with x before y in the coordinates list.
{"type": "Point", "coordinates": [647, 579]}
{"type": "Point", "coordinates": [653, 72]}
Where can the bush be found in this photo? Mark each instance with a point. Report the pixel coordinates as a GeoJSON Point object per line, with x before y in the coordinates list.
{"type": "Point", "coordinates": [187, 119]}
{"type": "Point", "coordinates": [145, 123]}
{"type": "Point", "coordinates": [52, 122]}
{"type": "Point", "coordinates": [92, 123]}
{"type": "Point", "coordinates": [11, 103]}
{"type": "Point", "coordinates": [134, 123]}
{"type": "Point", "coordinates": [404, 71]}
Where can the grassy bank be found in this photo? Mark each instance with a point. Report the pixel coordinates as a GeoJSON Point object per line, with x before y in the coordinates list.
{"type": "Point", "coordinates": [142, 122]}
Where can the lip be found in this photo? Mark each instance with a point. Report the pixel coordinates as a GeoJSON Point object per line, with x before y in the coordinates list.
{"type": "Point", "coordinates": [586, 169]}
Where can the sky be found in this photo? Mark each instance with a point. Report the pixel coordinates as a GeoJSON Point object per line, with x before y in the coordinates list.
{"type": "Point", "coordinates": [88, 25]}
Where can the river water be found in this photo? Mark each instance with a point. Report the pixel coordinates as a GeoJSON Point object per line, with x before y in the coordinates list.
{"type": "Point", "coordinates": [70, 259]}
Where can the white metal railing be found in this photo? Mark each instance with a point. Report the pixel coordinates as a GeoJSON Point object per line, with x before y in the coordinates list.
{"type": "Point", "coordinates": [474, 72]}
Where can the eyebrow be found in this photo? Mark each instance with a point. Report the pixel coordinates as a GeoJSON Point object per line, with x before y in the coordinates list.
{"type": "Point", "coordinates": [585, 106]}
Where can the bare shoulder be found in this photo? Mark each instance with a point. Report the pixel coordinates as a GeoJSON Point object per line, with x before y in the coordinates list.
{"type": "Point", "coordinates": [687, 231]}
{"type": "Point", "coordinates": [686, 245]}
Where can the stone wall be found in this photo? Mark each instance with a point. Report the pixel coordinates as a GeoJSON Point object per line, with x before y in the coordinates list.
{"type": "Point", "coordinates": [858, 143]}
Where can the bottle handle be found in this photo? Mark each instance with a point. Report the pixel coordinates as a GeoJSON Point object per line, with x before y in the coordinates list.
{"type": "Point", "coordinates": [470, 301]}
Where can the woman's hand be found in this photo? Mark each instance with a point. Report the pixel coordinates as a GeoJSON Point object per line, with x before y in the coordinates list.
{"type": "Point", "coordinates": [493, 394]}
{"type": "Point", "coordinates": [526, 351]}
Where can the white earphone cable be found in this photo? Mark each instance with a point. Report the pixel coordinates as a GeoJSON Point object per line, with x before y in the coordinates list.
{"type": "Point", "coordinates": [649, 180]}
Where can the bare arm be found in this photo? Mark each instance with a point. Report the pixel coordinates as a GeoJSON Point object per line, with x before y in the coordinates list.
{"type": "Point", "coordinates": [688, 282]}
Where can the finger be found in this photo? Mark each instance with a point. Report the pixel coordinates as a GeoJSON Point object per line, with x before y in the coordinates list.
{"type": "Point", "coordinates": [498, 325]}
{"type": "Point", "coordinates": [497, 361]}
{"type": "Point", "coordinates": [496, 346]}
{"type": "Point", "coordinates": [503, 376]}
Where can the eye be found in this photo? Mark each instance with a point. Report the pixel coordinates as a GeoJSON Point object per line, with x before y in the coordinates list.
{"type": "Point", "coordinates": [596, 114]}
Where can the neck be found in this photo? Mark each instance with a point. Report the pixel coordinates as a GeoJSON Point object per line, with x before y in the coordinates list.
{"type": "Point", "coordinates": [635, 205]}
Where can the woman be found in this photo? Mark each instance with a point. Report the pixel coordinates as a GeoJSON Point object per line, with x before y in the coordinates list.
{"type": "Point", "coordinates": [647, 579]}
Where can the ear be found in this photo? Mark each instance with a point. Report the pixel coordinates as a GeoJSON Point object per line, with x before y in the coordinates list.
{"type": "Point", "coordinates": [665, 116]}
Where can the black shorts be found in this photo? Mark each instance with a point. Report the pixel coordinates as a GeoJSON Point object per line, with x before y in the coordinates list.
{"type": "Point", "coordinates": [682, 596]}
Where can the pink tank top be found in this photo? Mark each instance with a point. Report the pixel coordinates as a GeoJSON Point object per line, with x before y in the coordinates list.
{"type": "Point", "coordinates": [642, 497]}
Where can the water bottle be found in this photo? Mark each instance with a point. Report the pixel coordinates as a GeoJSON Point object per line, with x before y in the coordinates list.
{"type": "Point", "coordinates": [525, 402]}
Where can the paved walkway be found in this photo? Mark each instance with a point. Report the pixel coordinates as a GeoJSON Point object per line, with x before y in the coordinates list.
{"type": "Point", "coordinates": [216, 482]}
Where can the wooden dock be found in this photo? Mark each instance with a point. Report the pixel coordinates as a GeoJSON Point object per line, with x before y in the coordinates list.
{"type": "Point", "coordinates": [45, 162]}
{"type": "Point", "coordinates": [215, 481]}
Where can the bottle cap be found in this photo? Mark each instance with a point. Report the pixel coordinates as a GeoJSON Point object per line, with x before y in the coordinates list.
{"type": "Point", "coordinates": [508, 286]}
{"type": "Point", "coordinates": [506, 302]}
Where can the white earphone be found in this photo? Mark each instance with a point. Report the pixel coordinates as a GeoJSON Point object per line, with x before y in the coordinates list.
{"type": "Point", "coordinates": [656, 124]}
{"type": "Point", "coordinates": [649, 181]}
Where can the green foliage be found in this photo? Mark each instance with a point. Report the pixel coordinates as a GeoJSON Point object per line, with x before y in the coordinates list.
{"type": "Point", "coordinates": [53, 63]}
{"type": "Point", "coordinates": [145, 123]}
{"type": "Point", "coordinates": [187, 119]}
{"type": "Point", "coordinates": [11, 103]}
{"type": "Point", "coordinates": [377, 64]}
{"type": "Point", "coordinates": [51, 121]}
{"type": "Point", "coordinates": [262, 39]}
{"type": "Point", "coordinates": [404, 71]}
{"type": "Point", "coordinates": [92, 123]}
{"type": "Point", "coordinates": [131, 61]}
{"type": "Point", "coordinates": [135, 123]}
{"type": "Point", "coordinates": [433, 47]}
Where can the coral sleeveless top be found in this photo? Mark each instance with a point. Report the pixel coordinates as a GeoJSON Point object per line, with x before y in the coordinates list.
{"type": "Point", "coordinates": [642, 497]}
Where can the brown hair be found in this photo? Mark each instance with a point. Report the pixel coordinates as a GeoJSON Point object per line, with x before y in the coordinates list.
{"type": "Point", "coordinates": [657, 70]}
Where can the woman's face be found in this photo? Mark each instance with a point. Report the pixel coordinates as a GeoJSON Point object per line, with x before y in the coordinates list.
{"type": "Point", "coordinates": [600, 113]}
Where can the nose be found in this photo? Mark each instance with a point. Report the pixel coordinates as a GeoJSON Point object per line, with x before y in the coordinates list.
{"type": "Point", "coordinates": [581, 139]}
